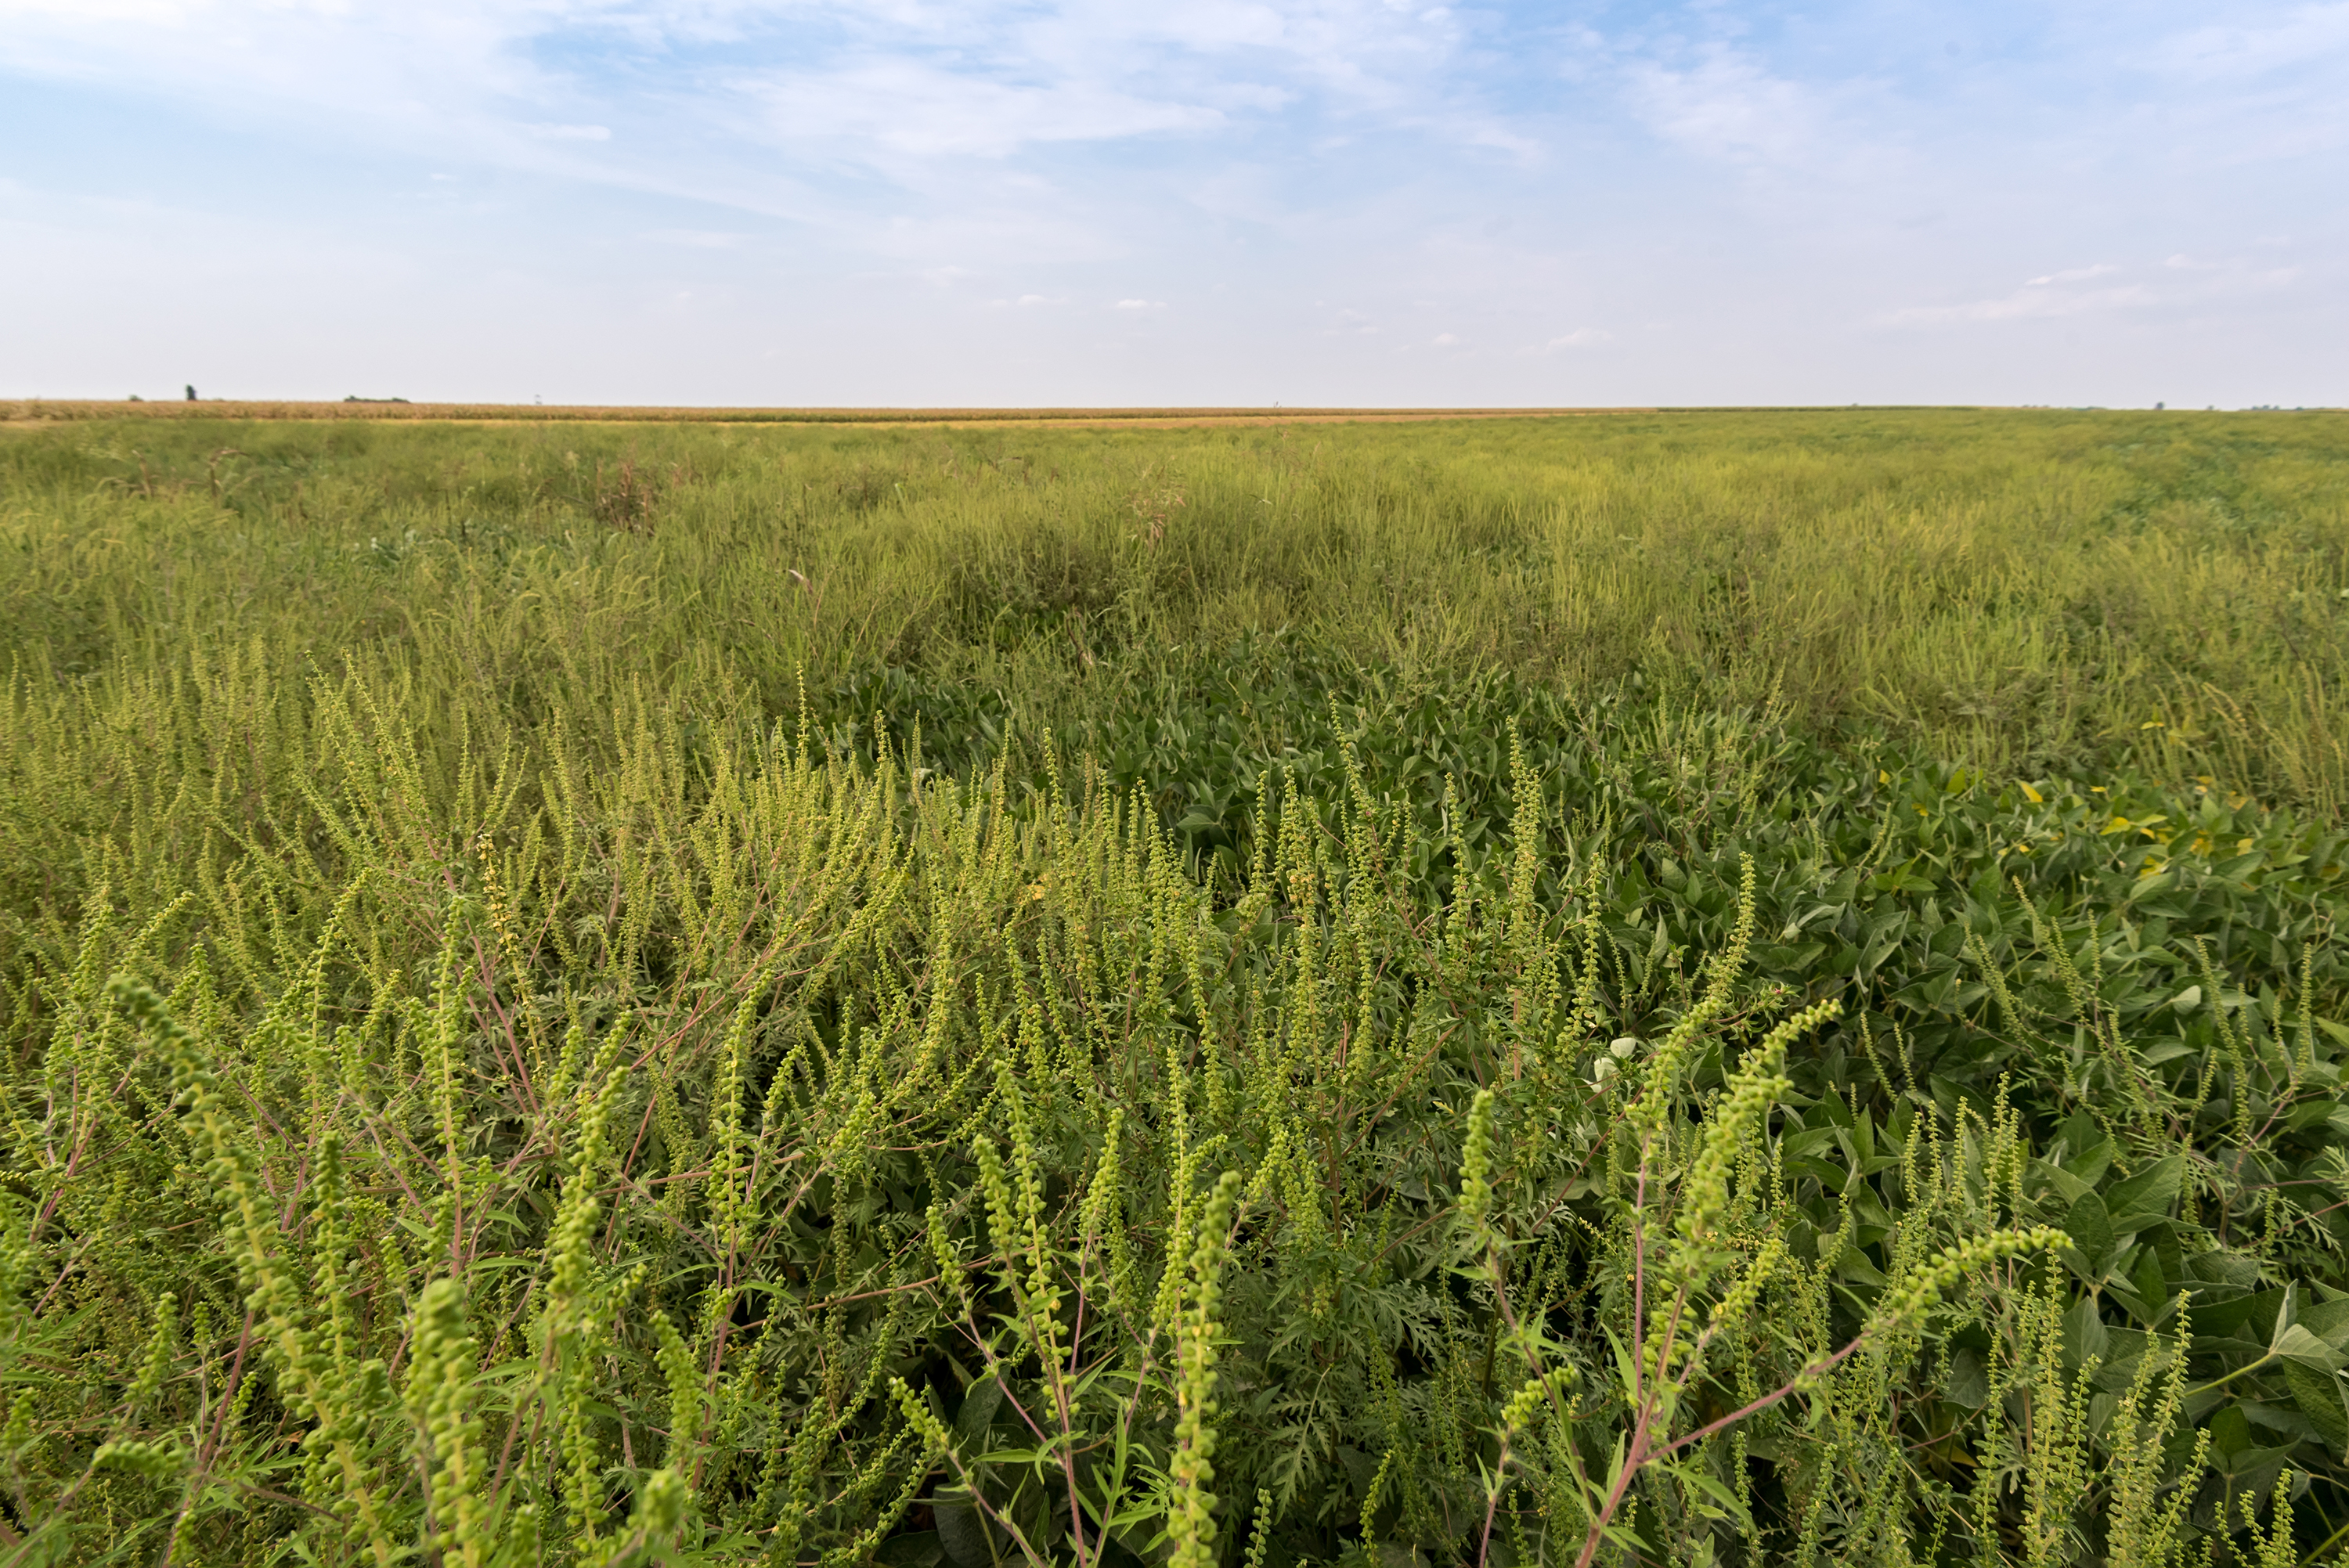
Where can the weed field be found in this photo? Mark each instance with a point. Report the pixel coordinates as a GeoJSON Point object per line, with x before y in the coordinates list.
{"type": "Point", "coordinates": [1644, 989]}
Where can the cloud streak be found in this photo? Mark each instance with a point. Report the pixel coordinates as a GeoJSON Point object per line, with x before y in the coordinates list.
{"type": "Point", "coordinates": [2060, 295]}
{"type": "Point", "coordinates": [1744, 195]}
{"type": "Point", "coordinates": [1729, 106]}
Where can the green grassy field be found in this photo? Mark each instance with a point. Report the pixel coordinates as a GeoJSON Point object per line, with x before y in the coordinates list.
{"type": "Point", "coordinates": [1660, 988]}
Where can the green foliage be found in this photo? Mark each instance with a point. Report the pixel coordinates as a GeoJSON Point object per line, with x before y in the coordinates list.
{"type": "Point", "coordinates": [499, 1072]}
{"type": "Point", "coordinates": [2026, 592]}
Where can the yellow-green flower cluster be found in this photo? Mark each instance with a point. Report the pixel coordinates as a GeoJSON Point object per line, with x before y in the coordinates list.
{"type": "Point", "coordinates": [440, 1373]}
{"type": "Point", "coordinates": [1475, 1161]}
{"type": "Point", "coordinates": [1190, 1523]}
{"type": "Point", "coordinates": [1758, 1083]}
{"type": "Point", "coordinates": [1905, 1307]}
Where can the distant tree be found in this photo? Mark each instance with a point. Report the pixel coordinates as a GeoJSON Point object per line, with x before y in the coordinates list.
{"type": "Point", "coordinates": [192, 394]}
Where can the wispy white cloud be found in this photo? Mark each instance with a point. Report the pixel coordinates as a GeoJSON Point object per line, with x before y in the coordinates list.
{"type": "Point", "coordinates": [980, 77]}
{"type": "Point", "coordinates": [2026, 303]}
{"type": "Point", "coordinates": [2073, 276]}
{"type": "Point", "coordinates": [912, 108]}
{"type": "Point", "coordinates": [2239, 51]}
{"type": "Point", "coordinates": [882, 171]}
{"type": "Point", "coordinates": [1728, 105]}
{"type": "Point", "coordinates": [2061, 294]}
{"type": "Point", "coordinates": [2263, 85]}
{"type": "Point", "coordinates": [810, 110]}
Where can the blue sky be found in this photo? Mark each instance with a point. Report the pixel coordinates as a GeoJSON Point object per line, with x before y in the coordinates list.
{"type": "Point", "coordinates": [1344, 201]}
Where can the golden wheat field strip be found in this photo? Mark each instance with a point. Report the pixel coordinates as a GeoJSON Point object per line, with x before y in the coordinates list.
{"type": "Point", "coordinates": [36, 412]}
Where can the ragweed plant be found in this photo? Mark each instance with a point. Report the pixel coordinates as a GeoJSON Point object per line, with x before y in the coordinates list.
{"type": "Point", "coordinates": [839, 1184]}
{"type": "Point", "coordinates": [621, 1053]}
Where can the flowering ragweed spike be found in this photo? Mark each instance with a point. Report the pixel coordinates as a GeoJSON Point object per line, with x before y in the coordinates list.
{"type": "Point", "coordinates": [156, 1462]}
{"type": "Point", "coordinates": [158, 1352]}
{"type": "Point", "coordinates": [1524, 1405]}
{"type": "Point", "coordinates": [438, 1373]}
{"type": "Point", "coordinates": [1260, 1533]}
{"type": "Point", "coordinates": [919, 1416]}
{"type": "Point", "coordinates": [1475, 1160]}
{"type": "Point", "coordinates": [948, 1259]}
{"type": "Point", "coordinates": [1905, 1307]}
{"type": "Point", "coordinates": [1190, 1524]}
{"type": "Point", "coordinates": [1739, 1299]}
{"type": "Point", "coordinates": [271, 1289]}
{"type": "Point", "coordinates": [1756, 1086]}
{"type": "Point", "coordinates": [660, 1507]}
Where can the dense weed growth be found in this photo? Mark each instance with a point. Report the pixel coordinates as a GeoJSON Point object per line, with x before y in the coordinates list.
{"type": "Point", "coordinates": [2030, 592]}
{"type": "Point", "coordinates": [499, 1072]}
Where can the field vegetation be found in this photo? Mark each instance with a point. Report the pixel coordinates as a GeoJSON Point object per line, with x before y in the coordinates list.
{"type": "Point", "coordinates": [1682, 989]}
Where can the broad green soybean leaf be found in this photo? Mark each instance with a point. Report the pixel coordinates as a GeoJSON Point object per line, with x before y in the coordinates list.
{"type": "Point", "coordinates": [2321, 1397]}
{"type": "Point", "coordinates": [2091, 1230]}
{"type": "Point", "coordinates": [2147, 1197]}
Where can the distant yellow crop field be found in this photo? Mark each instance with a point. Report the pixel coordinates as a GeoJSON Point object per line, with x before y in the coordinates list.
{"type": "Point", "coordinates": [39, 411]}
